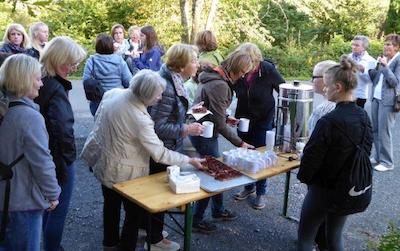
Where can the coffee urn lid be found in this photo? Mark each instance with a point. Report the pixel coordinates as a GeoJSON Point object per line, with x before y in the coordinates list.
{"type": "Point", "coordinates": [296, 86]}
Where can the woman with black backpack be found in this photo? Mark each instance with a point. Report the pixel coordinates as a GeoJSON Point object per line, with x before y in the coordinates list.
{"type": "Point", "coordinates": [337, 151]}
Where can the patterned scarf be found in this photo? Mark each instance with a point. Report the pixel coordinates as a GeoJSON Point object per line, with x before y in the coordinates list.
{"type": "Point", "coordinates": [178, 83]}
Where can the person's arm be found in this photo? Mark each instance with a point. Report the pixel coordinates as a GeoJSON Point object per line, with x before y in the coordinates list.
{"type": "Point", "coordinates": [218, 102]}
{"type": "Point", "coordinates": [149, 60]}
{"type": "Point", "coordinates": [87, 70]}
{"type": "Point", "coordinates": [126, 74]}
{"type": "Point", "coordinates": [60, 123]}
{"type": "Point", "coordinates": [392, 77]}
{"type": "Point", "coordinates": [151, 142]}
{"type": "Point", "coordinates": [161, 111]}
{"type": "Point", "coordinates": [275, 78]}
{"type": "Point", "coordinates": [315, 151]}
{"type": "Point", "coordinates": [36, 152]}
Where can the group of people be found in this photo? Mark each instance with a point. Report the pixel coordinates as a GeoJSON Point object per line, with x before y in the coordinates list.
{"type": "Point", "coordinates": [141, 126]}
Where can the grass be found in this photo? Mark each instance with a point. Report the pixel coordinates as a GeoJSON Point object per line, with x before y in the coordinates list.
{"type": "Point", "coordinates": [389, 241]}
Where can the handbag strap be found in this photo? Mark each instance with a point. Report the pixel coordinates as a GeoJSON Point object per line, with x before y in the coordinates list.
{"type": "Point", "coordinates": [93, 69]}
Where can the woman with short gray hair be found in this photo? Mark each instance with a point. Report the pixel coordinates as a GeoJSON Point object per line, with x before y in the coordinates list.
{"type": "Point", "coordinates": [119, 149]}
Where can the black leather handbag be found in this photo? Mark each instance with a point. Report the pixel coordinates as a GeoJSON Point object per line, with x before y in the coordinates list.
{"type": "Point", "coordinates": [94, 91]}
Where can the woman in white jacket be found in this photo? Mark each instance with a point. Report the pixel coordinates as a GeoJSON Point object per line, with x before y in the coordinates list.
{"type": "Point", "coordinates": [119, 149]}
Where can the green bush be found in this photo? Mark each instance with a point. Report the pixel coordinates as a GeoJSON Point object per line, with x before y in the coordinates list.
{"type": "Point", "coordinates": [389, 241]}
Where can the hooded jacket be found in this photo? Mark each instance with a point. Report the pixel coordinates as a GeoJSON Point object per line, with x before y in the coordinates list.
{"type": "Point", "coordinates": [217, 92]}
{"type": "Point", "coordinates": [110, 69]}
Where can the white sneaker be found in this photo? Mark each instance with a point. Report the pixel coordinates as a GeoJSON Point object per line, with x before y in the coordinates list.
{"type": "Point", "coordinates": [142, 233]}
{"type": "Point", "coordinates": [382, 168]}
{"type": "Point", "coordinates": [373, 161]}
{"type": "Point", "coordinates": [164, 245]}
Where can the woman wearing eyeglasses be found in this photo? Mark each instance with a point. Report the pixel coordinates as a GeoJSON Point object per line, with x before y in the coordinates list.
{"type": "Point", "coordinates": [60, 58]}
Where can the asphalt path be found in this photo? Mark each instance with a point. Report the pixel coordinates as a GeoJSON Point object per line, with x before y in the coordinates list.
{"type": "Point", "coordinates": [260, 230]}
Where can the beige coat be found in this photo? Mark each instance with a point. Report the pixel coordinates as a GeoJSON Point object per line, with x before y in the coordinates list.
{"type": "Point", "coordinates": [123, 140]}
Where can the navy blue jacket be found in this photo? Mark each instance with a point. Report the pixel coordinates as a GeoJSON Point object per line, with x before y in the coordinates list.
{"type": "Point", "coordinates": [257, 103]}
{"type": "Point", "coordinates": [169, 114]}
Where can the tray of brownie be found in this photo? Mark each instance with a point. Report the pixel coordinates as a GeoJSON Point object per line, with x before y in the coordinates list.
{"type": "Point", "coordinates": [217, 177]}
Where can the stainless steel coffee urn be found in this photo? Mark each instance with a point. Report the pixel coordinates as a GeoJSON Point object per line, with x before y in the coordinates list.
{"type": "Point", "coordinates": [295, 103]}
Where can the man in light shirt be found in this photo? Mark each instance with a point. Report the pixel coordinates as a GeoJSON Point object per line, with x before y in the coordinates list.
{"type": "Point", "coordinates": [365, 62]}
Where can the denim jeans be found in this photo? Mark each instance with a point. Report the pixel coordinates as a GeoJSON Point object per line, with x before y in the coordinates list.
{"type": "Point", "coordinates": [93, 107]}
{"type": "Point", "coordinates": [207, 146]}
{"type": "Point", "coordinates": [256, 137]}
{"type": "Point", "coordinates": [23, 231]}
{"type": "Point", "coordinates": [53, 221]}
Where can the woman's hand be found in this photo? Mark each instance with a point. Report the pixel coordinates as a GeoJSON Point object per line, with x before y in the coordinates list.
{"type": "Point", "coordinates": [198, 105]}
{"type": "Point", "coordinates": [193, 129]}
{"type": "Point", "coordinates": [382, 60]}
{"type": "Point", "coordinates": [248, 146]}
{"type": "Point", "coordinates": [232, 121]}
{"type": "Point", "coordinates": [196, 162]}
{"type": "Point", "coordinates": [53, 205]}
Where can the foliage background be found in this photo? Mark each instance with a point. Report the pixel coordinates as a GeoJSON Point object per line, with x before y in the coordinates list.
{"type": "Point", "coordinates": [295, 34]}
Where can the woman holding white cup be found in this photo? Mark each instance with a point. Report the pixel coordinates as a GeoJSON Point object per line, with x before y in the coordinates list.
{"type": "Point", "coordinates": [256, 104]}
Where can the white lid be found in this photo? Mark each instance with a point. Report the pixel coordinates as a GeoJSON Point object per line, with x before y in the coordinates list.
{"type": "Point", "coordinates": [302, 87]}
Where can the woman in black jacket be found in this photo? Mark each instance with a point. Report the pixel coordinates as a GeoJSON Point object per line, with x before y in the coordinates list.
{"type": "Point", "coordinates": [256, 102]}
{"type": "Point", "coordinates": [328, 153]}
{"type": "Point", "coordinates": [60, 58]}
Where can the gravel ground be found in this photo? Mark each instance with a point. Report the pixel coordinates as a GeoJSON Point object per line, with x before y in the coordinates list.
{"type": "Point", "coordinates": [262, 229]}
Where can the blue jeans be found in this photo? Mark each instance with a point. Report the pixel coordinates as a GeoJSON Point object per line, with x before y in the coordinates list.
{"type": "Point", "coordinates": [23, 231]}
{"type": "Point", "coordinates": [93, 107]}
{"type": "Point", "coordinates": [207, 146]}
{"type": "Point", "coordinates": [256, 137]}
{"type": "Point", "coordinates": [53, 221]}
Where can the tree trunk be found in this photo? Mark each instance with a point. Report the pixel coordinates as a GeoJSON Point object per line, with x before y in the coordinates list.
{"type": "Point", "coordinates": [212, 14]}
{"type": "Point", "coordinates": [184, 6]}
{"type": "Point", "coordinates": [197, 8]}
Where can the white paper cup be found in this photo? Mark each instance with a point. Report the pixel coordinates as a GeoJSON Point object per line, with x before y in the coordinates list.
{"type": "Point", "coordinates": [208, 129]}
{"type": "Point", "coordinates": [243, 125]}
{"type": "Point", "coordinates": [270, 140]}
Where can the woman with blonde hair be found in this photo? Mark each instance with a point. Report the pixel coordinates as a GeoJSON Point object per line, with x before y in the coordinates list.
{"type": "Point", "coordinates": [61, 57]}
{"type": "Point", "coordinates": [39, 33]}
{"type": "Point", "coordinates": [33, 186]}
{"type": "Point", "coordinates": [256, 102]}
{"type": "Point", "coordinates": [169, 115]}
{"type": "Point", "coordinates": [16, 40]}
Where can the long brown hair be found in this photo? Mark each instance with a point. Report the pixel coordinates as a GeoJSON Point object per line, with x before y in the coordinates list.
{"type": "Point", "coordinates": [151, 37]}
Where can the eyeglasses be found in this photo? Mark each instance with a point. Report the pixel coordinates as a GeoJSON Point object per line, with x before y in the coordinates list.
{"type": "Point", "coordinates": [74, 66]}
{"type": "Point", "coordinates": [315, 77]}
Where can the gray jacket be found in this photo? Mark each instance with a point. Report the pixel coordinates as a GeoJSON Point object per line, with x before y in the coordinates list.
{"type": "Point", "coordinates": [110, 69]}
{"type": "Point", "coordinates": [391, 81]}
{"type": "Point", "coordinates": [34, 183]}
{"type": "Point", "coordinates": [169, 114]}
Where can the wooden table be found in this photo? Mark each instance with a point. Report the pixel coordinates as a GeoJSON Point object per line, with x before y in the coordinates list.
{"type": "Point", "coordinates": [154, 194]}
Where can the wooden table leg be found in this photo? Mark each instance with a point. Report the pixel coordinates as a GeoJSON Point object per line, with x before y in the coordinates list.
{"type": "Point", "coordinates": [188, 226]}
{"type": "Point", "coordinates": [148, 232]}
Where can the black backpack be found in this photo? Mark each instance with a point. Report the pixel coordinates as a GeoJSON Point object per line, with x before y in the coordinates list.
{"type": "Point", "coordinates": [352, 191]}
{"type": "Point", "coordinates": [6, 175]}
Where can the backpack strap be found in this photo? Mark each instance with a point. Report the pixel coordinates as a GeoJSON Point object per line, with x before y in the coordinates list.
{"type": "Point", "coordinates": [7, 174]}
{"type": "Point", "coordinates": [347, 135]}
